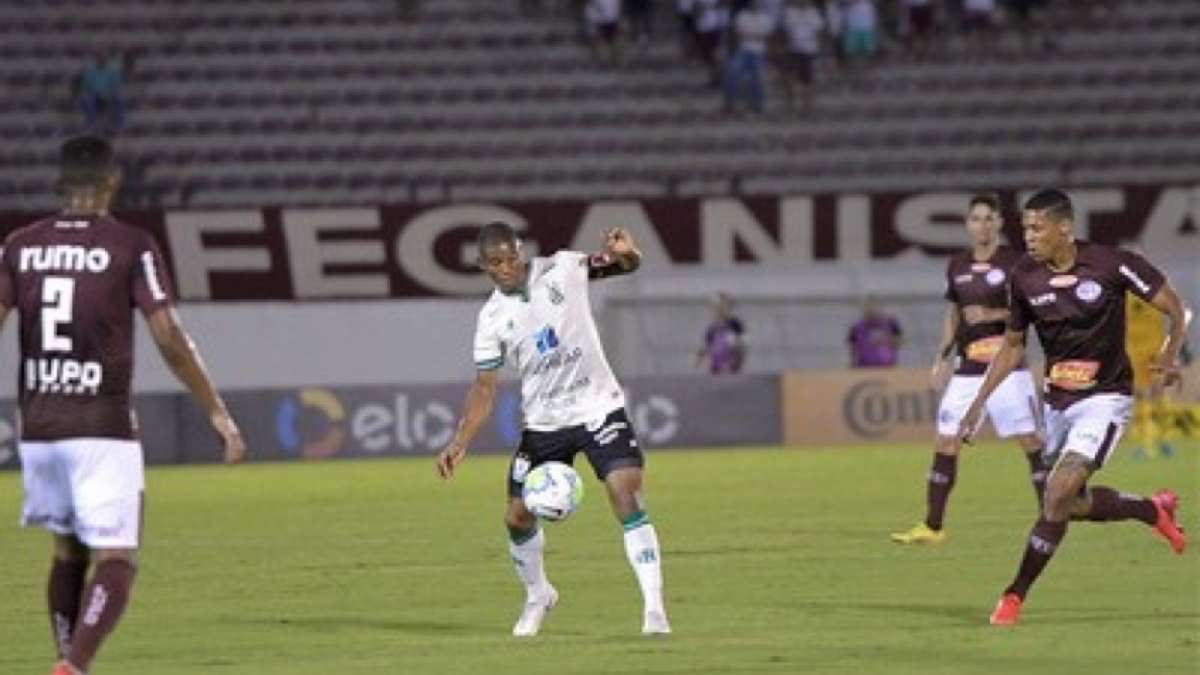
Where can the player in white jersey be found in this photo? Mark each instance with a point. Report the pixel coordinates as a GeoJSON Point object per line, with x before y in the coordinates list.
{"type": "Point", "coordinates": [539, 318]}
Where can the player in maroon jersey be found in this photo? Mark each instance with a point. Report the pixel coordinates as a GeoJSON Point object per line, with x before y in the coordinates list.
{"type": "Point", "coordinates": [74, 279]}
{"type": "Point", "coordinates": [1073, 292]}
{"type": "Point", "coordinates": [977, 290]}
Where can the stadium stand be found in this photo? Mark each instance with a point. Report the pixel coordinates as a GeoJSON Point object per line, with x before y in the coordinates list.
{"type": "Point", "coordinates": [258, 102]}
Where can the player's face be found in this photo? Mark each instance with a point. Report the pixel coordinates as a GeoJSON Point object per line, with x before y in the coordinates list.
{"type": "Point", "coordinates": [504, 264]}
{"type": "Point", "coordinates": [983, 224]}
{"type": "Point", "coordinates": [1044, 238]}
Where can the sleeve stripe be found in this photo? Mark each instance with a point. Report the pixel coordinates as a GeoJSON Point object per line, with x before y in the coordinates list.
{"type": "Point", "coordinates": [156, 289]}
{"type": "Point", "coordinates": [490, 364]}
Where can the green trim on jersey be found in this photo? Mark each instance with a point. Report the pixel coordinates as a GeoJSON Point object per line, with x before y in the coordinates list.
{"type": "Point", "coordinates": [490, 364]}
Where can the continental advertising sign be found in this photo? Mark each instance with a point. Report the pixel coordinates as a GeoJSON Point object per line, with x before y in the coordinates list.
{"type": "Point", "coordinates": [858, 406]}
{"type": "Point", "coordinates": [870, 405]}
{"type": "Point", "coordinates": [317, 423]}
{"type": "Point", "coordinates": [426, 250]}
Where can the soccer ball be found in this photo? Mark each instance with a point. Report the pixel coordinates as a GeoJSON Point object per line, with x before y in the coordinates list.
{"type": "Point", "coordinates": [552, 491]}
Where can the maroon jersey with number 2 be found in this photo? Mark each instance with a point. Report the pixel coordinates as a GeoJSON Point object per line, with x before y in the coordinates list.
{"type": "Point", "coordinates": [74, 282]}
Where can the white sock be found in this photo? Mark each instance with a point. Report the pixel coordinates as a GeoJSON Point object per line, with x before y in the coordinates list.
{"type": "Point", "coordinates": [527, 558]}
{"type": "Point", "coordinates": [641, 548]}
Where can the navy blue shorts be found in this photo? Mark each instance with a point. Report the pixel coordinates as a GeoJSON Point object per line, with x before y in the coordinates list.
{"type": "Point", "coordinates": [609, 446]}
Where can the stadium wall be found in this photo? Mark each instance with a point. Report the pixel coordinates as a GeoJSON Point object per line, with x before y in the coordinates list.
{"type": "Point", "coordinates": [323, 422]}
{"type": "Point", "coordinates": [820, 409]}
{"type": "Point", "coordinates": [363, 296]}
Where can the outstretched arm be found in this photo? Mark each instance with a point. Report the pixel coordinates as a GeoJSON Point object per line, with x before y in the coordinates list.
{"type": "Point", "coordinates": [183, 358]}
{"type": "Point", "coordinates": [478, 408]}
{"type": "Point", "coordinates": [1011, 353]}
{"type": "Point", "coordinates": [619, 256]}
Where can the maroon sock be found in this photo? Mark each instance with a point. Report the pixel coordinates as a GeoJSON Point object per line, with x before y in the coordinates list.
{"type": "Point", "coordinates": [64, 593]}
{"type": "Point", "coordinates": [941, 481]}
{"type": "Point", "coordinates": [1043, 542]}
{"type": "Point", "coordinates": [1109, 505]}
{"type": "Point", "coordinates": [1037, 475]}
{"type": "Point", "coordinates": [104, 603]}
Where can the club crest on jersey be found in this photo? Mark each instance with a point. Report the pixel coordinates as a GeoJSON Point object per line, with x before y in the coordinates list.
{"type": "Point", "coordinates": [995, 276]}
{"type": "Point", "coordinates": [546, 340]}
{"type": "Point", "coordinates": [556, 294]}
{"type": "Point", "coordinates": [1063, 280]}
{"type": "Point", "coordinates": [1088, 291]}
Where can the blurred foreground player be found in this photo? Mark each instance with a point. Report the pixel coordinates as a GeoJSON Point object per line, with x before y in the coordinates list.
{"type": "Point", "coordinates": [74, 279]}
{"type": "Point", "coordinates": [1073, 292]}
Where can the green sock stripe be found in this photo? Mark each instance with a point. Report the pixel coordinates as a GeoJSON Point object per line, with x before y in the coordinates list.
{"type": "Point", "coordinates": [635, 520]}
{"type": "Point", "coordinates": [519, 537]}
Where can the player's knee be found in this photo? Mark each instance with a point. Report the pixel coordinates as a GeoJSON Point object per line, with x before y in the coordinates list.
{"type": "Point", "coordinates": [947, 445]}
{"type": "Point", "coordinates": [127, 555]}
{"type": "Point", "coordinates": [1030, 442]}
{"type": "Point", "coordinates": [70, 548]}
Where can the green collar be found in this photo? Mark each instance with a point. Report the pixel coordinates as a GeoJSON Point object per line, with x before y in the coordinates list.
{"type": "Point", "coordinates": [523, 292]}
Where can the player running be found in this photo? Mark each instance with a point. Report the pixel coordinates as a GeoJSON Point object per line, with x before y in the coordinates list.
{"type": "Point", "coordinates": [74, 279]}
{"type": "Point", "coordinates": [540, 319]}
{"type": "Point", "coordinates": [1073, 292]}
{"type": "Point", "coordinates": [972, 332]}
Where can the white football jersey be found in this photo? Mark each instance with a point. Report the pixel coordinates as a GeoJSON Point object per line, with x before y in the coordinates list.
{"type": "Point", "coordinates": [549, 333]}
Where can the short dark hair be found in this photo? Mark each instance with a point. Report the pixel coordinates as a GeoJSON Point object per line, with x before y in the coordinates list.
{"type": "Point", "coordinates": [496, 233]}
{"type": "Point", "coordinates": [86, 160]}
{"type": "Point", "coordinates": [988, 199]}
{"type": "Point", "coordinates": [1053, 203]}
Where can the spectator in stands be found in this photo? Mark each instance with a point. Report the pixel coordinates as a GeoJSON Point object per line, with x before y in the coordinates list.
{"type": "Point", "coordinates": [920, 26]}
{"type": "Point", "coordinates": [861, 38]}
{"type": "Point", "coordinates": [603, 19]}
{"type": "Point", "coordinates": [804, 25]}
{"type": "Point", "coordinates": [710, 21]}
{"type": "Point", "coordinates": [752, 27]}
{"type": "Point", "coordinates": [835, 25]}
{"type": "Point", "coordinates": [685, 13]}
{"type": "Point", "coordinates": [1025, 12]}
{"type": "Point", "coordinates": [724, 345]}
{"type": "Point", "coordinates": [874, 339]}
{"type": "Point", "coordinates": [979, 20]}
{"type": "Point", "coordinates": [641, 20]}
{"type": "Point", "coordinates": [100, 91]}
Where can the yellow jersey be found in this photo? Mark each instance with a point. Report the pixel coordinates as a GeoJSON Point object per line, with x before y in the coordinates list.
{"type": "Point", "coordinates": [1145, 331]}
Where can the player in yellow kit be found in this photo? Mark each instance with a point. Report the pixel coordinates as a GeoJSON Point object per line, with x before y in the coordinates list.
{"type": "Point", "coordinates": [1143, 340]}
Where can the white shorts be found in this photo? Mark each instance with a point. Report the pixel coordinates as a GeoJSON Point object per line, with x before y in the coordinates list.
{"type": "Point", "coordinates": [1012, 407]}
{"type": "Point", "coordinates": [1092, 427]}
{"type": "Point", "coordinates": [88, 487]}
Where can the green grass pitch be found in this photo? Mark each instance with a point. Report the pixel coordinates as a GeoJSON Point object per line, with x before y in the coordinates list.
{"type": "Point", "coordinates": [776, 561]}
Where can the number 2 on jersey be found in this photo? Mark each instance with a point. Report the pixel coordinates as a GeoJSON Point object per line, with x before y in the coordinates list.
{"type": "Point", "coordinates": [58, 300]}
